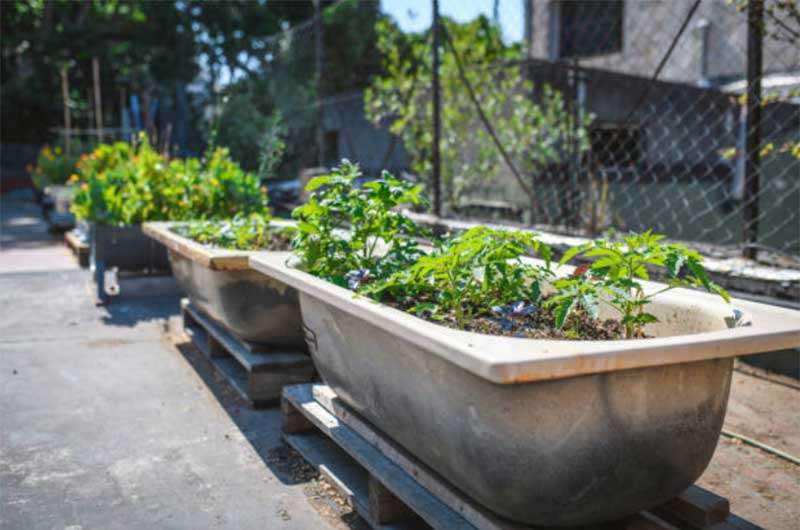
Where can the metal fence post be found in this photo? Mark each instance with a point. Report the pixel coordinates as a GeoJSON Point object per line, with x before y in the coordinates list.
{"type": "Point", "coordinates": [318, 68]}
{"type": "Point", "coordinates": [755, 20]}
{"type": "Point", "coordinates": [436, 178]}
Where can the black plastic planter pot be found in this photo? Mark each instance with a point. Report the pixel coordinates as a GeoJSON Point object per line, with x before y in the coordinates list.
{"type": "Point", "coordinates": [127, 249]}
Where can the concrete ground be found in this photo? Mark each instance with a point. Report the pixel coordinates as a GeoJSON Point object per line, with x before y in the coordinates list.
{"type": "Point", "coordinates": [25, 242]}
{"type": "Point", "coordinates": [105, 423]}
{"type": "Point", "coordinates": [110, 419]}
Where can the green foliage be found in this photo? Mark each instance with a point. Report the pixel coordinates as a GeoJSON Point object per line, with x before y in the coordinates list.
{"type": "Point", "coordinates": [255, 139]}
{"type": "Point", "coordinates": [531, 130]}
{"type": "Point", "coordinates": [576, 293]}
{"type": "Point", "coordinates": [242, 232]}
{"type": "Point", "coordinates": [143, 45]}
{"type": "Point", "coordinates": [54, 166]}
{"type": "Point", "coordinates": [472, 274]}
{"type": "Point", "coordinates": [354, 237]}
{"type": "Point", "coordinates": [272, 147]}
{"type": "Point", "coordinates": [346, 229]}
{"type": "Point", "coordinates": [122, 184]}
{"type": "Point", "coordinates": [285, 81]}
{"type": "Point", "coordinates": [614, 277]}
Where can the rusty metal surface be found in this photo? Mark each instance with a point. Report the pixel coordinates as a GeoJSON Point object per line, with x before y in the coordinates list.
{"type": "Point", "coordinates": [256, 308]}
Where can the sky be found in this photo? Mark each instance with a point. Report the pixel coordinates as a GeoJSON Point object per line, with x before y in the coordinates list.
{"type": "Point", "coordinates": [415, 15]}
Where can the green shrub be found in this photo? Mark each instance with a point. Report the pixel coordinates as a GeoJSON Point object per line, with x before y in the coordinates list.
{"type": "Point", "coordinates": [54, 166]}
{"type": "Point", "coordinates": [351, 234]}
{"type": "Point", "coordinates": [613, 278]}
{"type": "Point", "coordinates": [120, 184]}
{"type": "Point", "coordinates": [473, 274]}
{"type": "Point", "coordinates": [251, 232]}
{"type": "Point", "coordinates": [354, 236]}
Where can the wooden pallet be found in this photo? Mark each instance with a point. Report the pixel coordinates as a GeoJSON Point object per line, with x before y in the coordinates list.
{"type": "Point", "coordinates": [390, 489]}
{"type": "Point", "coordinates": [78, 246]}
{"type": "Point", "coordinates": [258, 375]}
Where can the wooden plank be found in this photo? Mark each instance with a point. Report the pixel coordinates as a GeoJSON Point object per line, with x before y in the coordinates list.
{"type": "Point", "coordinates": [384, 506]}
{"type": "Point", "coordinates": [261, 387]}
{"type": "Point", "coordinates": [74, 242]}
{"type": "Point", "coordinates": [263, 360]}
{"type": "Point", "coordinates": [344, 474]}
{"type": "Point", "coordinates": [427, 506]}
{"type": "Point", "coordinates": [734, 522]}
{"type": "Point", "coordinates": [79, 247]}
{"type": "Point", "coordinates": [696, 507]}
{"type": "Point", "coordinates": [292, 420]}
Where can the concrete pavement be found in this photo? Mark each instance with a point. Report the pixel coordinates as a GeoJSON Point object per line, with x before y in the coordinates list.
{"type": "Point", "coordinates": [105, 424]}
{"type": "Point", "coordinates": [25, 242]}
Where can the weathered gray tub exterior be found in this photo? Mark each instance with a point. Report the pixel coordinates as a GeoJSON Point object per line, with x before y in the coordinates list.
{"type": "Point", "coordinates": [564, 452]}
{"type": "Point", "coordinates": [255, 308]}
{"type": "Point", "coordinates": [551, 433]}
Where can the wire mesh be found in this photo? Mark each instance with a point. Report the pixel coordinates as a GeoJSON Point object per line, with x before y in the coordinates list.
{"type": "Point", "coordinates": [611, 114]}
{"type": "Point", "coordinates": [666, 154]}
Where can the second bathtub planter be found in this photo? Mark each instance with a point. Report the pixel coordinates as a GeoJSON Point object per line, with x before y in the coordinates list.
{"type": "Point", "coordinates": [209, 262]}
{"type": "Point", "coordinates": [549, 430]}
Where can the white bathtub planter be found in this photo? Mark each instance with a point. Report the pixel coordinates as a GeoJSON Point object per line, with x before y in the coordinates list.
{"type": "Point", "coordinates": [545, 432]}
{"type": "Point", "coordinates": [257, 309]}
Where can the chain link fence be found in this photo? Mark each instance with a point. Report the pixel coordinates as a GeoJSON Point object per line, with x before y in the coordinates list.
{"type": "Point", "coordinates": [629, 115]}
{"type": "Point", "coordinates": [659, 134]}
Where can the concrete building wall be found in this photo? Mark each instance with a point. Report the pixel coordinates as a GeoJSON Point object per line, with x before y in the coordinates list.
{"type": "Point", "coordinates": [648, 29]}
{"type": "Point", "coordinates": [358, 140]}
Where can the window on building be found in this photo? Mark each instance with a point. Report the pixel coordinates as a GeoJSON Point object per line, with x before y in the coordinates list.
{"type": "Point", "coordinates": [616, 144]}
{"type": "Point", "coordinates": [589, 27]}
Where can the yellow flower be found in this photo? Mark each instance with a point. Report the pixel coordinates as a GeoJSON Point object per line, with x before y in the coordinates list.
{"type": "Point", "coordinates": [74, 178]}
{"type": "Point", "coordinates": [85, 186]}
{"type": "Point", "coordinates": [214, 182]}
{"type": "Point", "coordinates": [58, 150]}
{"type": "Point", "coordinates": [101, 176]}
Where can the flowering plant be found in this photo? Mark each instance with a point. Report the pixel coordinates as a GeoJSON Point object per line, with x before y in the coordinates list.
{"type": "Point", "coordinates": [124, 184]}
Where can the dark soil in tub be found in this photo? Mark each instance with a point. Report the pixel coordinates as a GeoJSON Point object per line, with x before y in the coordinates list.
{"type": "Point", "coordinates": [280, 240]}
{"type": "Point", "coordinates": [538, 325]}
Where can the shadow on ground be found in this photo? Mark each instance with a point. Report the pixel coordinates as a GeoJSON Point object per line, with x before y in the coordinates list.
{"type": "Point", "coordinates": [262, 428]}
{"type": "Point", "coordinates": [131, 311]}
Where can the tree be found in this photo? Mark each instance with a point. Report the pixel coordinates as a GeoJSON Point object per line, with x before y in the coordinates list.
{"type": "Point", "coordinates": [142, 46]}
{"type": "Point", "coordinates": [284, 80]}
{"type": "Point", "coordinates": [532, 130]}
{"type": "Point", "coordinates": [135, 41]}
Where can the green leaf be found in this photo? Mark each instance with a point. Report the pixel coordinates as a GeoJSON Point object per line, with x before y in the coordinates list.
{"type": "Point", "coordinates": [674, 263]}
{"type": "Point", "coordinates": [563, 311]}
{"type": "Point", "coordinates": [571, 253]}
{"type": "Point", "coordinates": [590, 304]}
{"type": "Point", "coordinates": [646, 318]}
{"type": "Point", "coordinates": [535, 292]}
{"type": "Point", "coordinates": [722, 292]}
{"type": "Point", "coordinates": [317, 182]}
{"type": "Point", "coordinates": [307, 228]}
